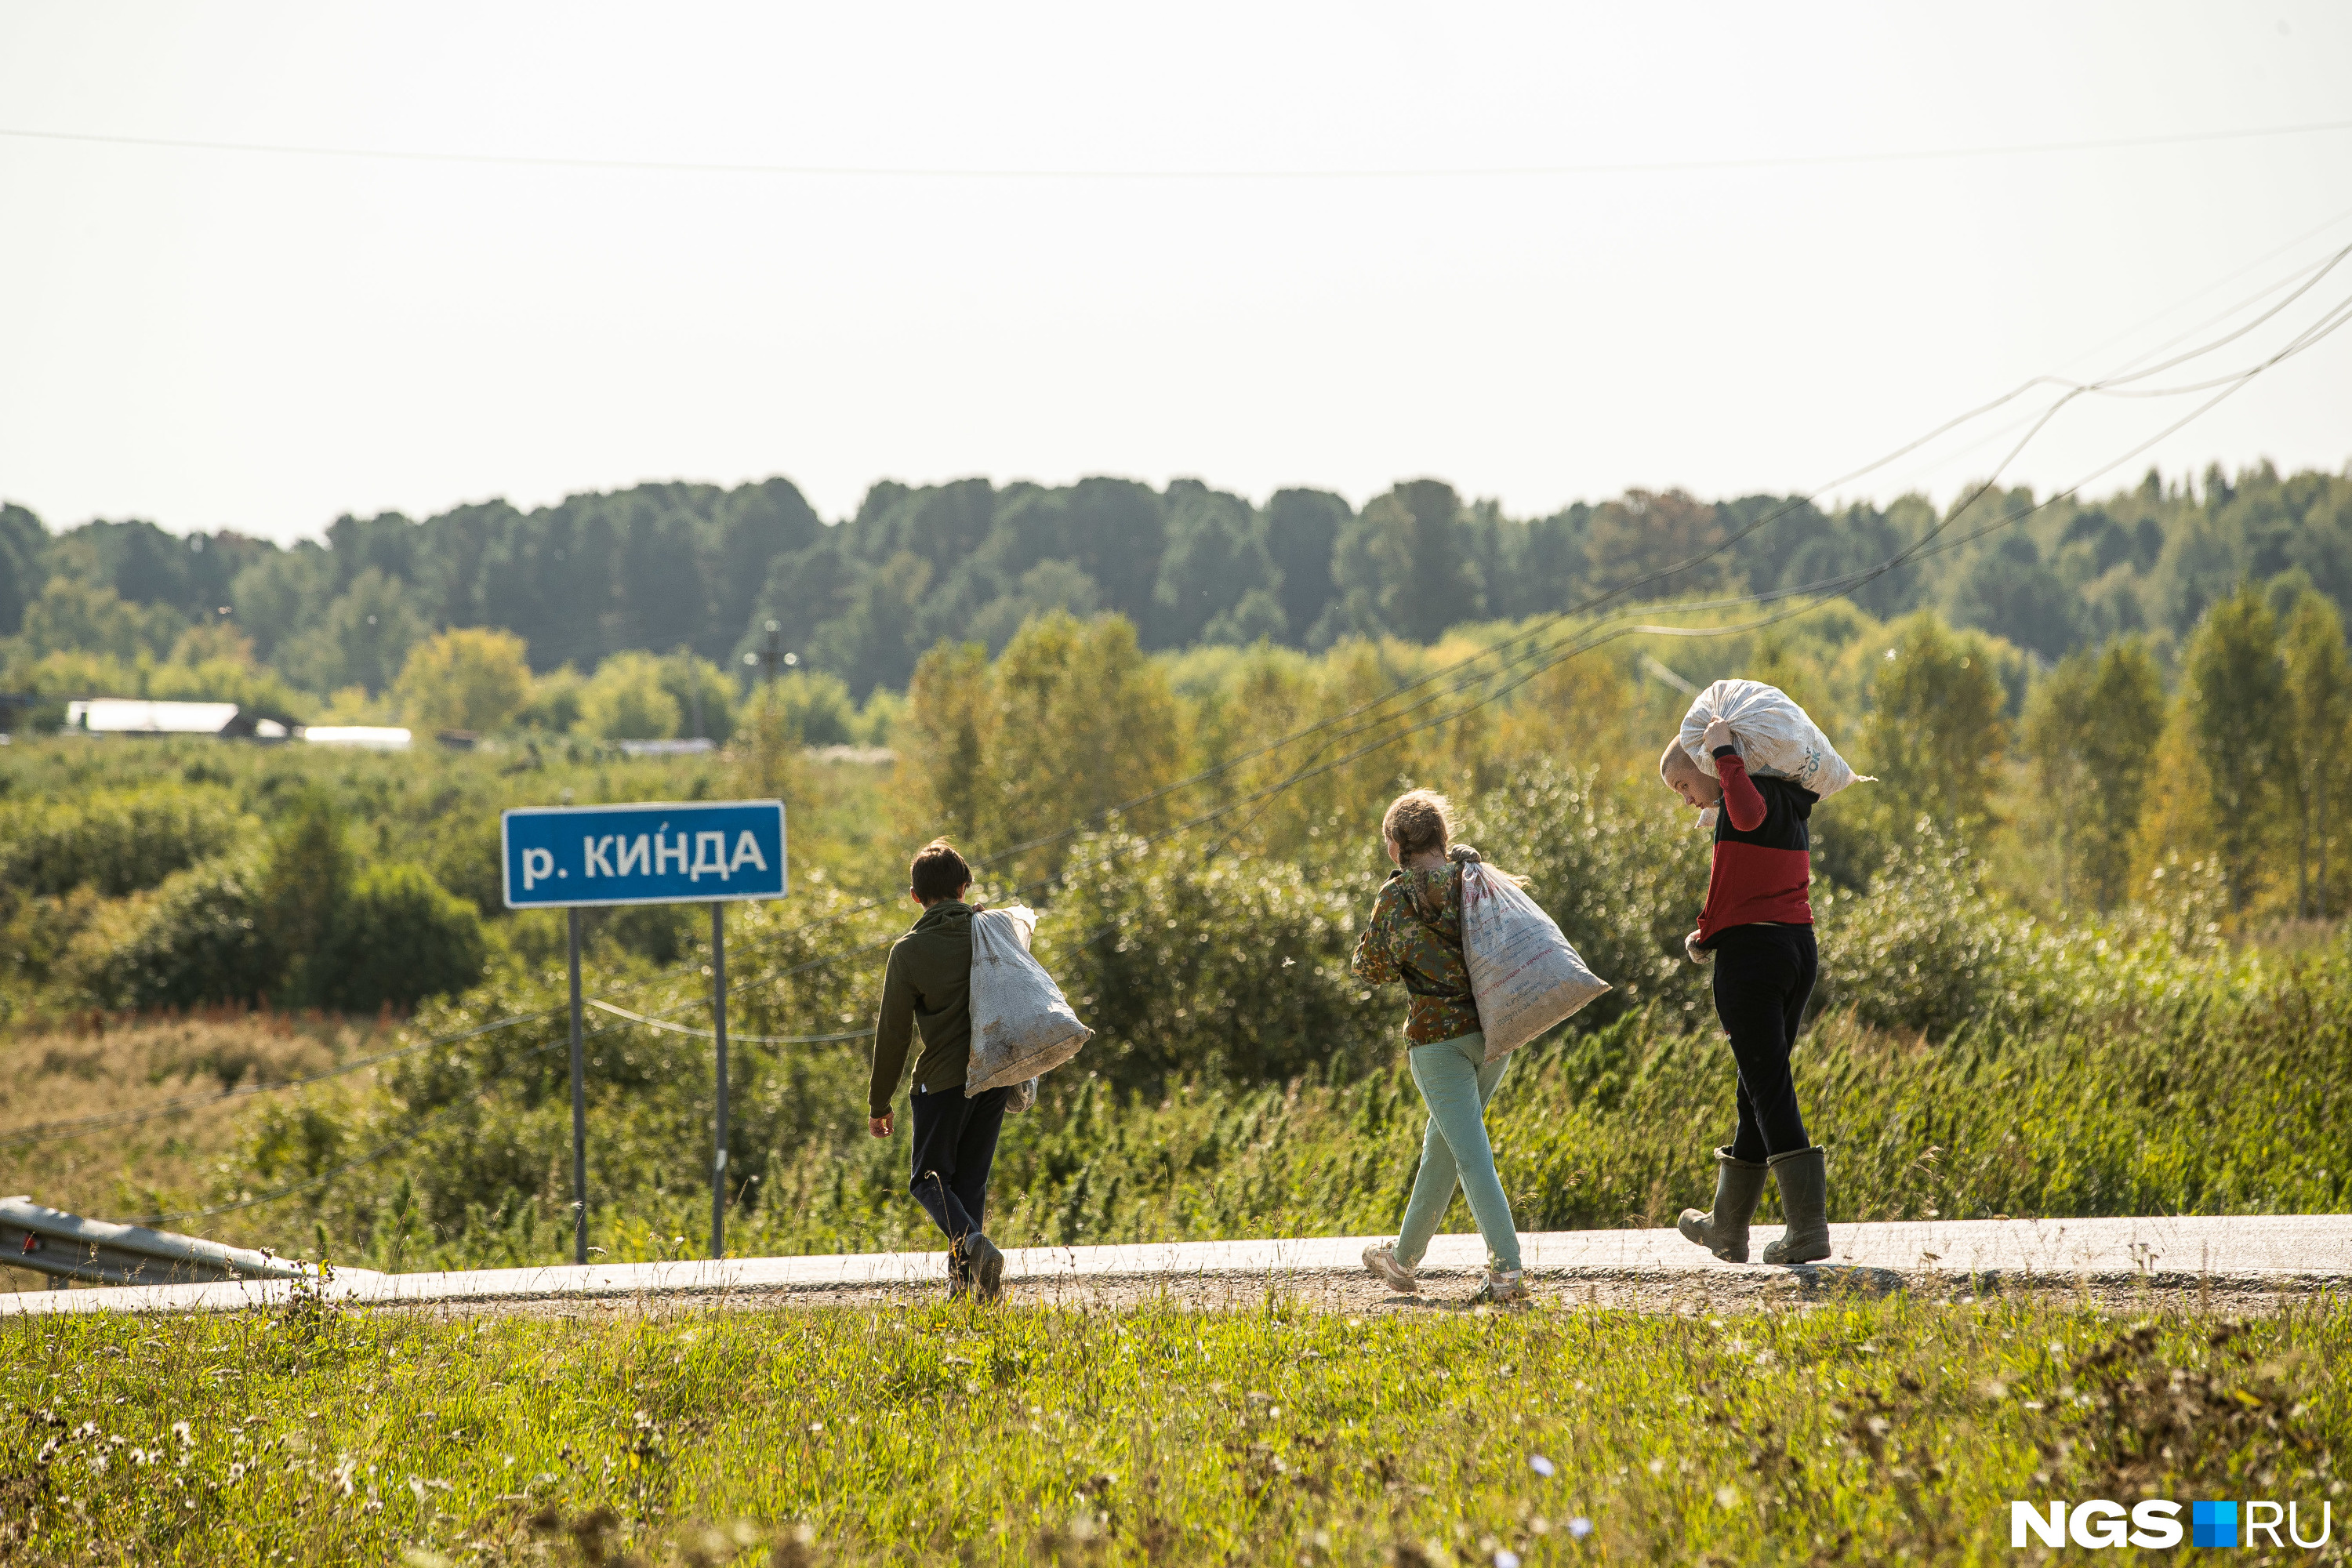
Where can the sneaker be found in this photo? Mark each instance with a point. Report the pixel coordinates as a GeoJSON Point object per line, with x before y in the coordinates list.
{"type": "Point", "coordinates": [1381, 1262]}
{"type": "Point", "coordinates": [1501, 1290]}
{"type": "Point", "coordinates": [987, 1266]}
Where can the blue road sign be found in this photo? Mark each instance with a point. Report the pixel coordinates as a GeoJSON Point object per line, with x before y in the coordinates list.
{"type": "Point", "coordinates": [696, 852]}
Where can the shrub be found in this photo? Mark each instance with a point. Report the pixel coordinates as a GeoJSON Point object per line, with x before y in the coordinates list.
{"type": "Point", "coordinates": [302, 896]}
{"type": "Point", "coordinates": [628, 698]}
{"type": "Point", "coordinates": [115, 843]}
{"type": "Point", "coordinates": [1624, 883]}
{"type": "Point", "coordinates": [202, 939]}
{"type": "Point", "coordinates": [468, 677]}
{"type": "Point", "coordinates": [398, 938]}
{"type": "Point", "coordinates": [1232, 968]}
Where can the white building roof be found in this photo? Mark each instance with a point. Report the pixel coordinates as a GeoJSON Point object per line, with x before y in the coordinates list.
{"type": "Point", "coordinates": [695, 747]}
{"type": "Point", "coordinates": [134, 716]}
{"type": "Point", "coordinates": [374, 737]}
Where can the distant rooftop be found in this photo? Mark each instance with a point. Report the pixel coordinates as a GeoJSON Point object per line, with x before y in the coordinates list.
{"type": "Point", "coordinates": [137, 716]}
{"type": "Point", "coordinates": [694, 747]}
{"type": "Point", "coordinates": [368, 737]}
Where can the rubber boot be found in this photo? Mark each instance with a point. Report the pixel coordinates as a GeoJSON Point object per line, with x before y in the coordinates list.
{"type": "Point", "coordinates": [1804, 1178]}
{"type": "Point", "coordinates": [987, 1266]}
{"type": "Point", "coordinates": [1723, 1229]}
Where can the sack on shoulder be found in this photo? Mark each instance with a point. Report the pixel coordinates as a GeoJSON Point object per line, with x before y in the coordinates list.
{"type": "Point", "coordinates": [1021, 1025]}
{"type": "Point", "coordinates": [1524, 975]}
{"type": "Point", "coordinates": [1773, 736]}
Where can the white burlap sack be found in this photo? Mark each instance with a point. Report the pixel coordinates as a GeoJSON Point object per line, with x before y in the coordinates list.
{"type": "Point", "coordinates": [1022, 1026]}
{"type": "Point", "coordinates": [1772, 735]}
{"type": "Point", "coordinates": [1523, 974]}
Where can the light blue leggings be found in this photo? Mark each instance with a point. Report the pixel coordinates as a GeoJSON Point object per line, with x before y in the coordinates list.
{"type": "Point", "coordinates": [1457, 1088]}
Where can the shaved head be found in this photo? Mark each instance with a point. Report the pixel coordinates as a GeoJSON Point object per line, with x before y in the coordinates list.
{"type": "Point", "coordinates": [1683, 776]}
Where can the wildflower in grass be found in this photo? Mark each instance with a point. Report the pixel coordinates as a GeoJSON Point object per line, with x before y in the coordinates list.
{"type": "Point", "coordinates": [1505, 1558]}
{"type": "Point", "coordinates": [1579, 1526]}
{"type": "Point", "coordinates": [1542, 1467]}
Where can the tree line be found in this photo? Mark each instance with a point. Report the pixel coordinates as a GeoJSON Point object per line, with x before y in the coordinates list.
{"type": "Point", "coordinates": [669, 567]}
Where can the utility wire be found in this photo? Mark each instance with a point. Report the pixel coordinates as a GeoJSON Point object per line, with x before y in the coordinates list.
{"type": "Point", "coordinates": [1559, 654]}
{"type": "Point", "coordinates": [52, 1131]}
{"type": "Point", "coordinates": [1567, 647]}
{"type": "Point", "coordinates": [392, 1145]}
{"type": "Point", "coordinates": [954, 172]}
{"type": "Point", "coordinates": [732, 1037]}
{"type": "Point", "coordinates": [1575, 644]}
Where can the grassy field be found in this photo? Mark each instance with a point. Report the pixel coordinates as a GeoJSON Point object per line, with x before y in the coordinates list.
{"type": "Point", "coordinates": [930, 1433]}
{"type": "Point", "coordinates": [2228, 1097]}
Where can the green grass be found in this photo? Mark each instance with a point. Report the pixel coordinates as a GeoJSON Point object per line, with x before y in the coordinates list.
{"type": "Point", "coordinates": [933, 1433]}
{"type": "Point", "coordinates": [2231, 1099]}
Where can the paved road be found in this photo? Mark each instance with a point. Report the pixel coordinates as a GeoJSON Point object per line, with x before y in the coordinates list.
{"type": "Point", "coordinates": [2259, 1253]}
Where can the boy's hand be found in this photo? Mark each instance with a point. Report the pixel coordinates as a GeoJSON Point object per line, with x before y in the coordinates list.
{"type": "Point", "coordinates": [1691, 951]}
{"type": "Point", "coordinates": [880, 1125]}
{"type": "Point", "coordinates": [1718, 734]}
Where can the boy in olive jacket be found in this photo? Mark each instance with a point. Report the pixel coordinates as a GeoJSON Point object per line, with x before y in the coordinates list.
{"type": "Point", "coordinates": [928, 985]}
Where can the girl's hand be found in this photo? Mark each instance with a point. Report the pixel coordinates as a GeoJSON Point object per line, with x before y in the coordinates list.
{"type": "Point", "coordinates": [880, 1125]}
{"type": "Point", "coordinates": [1718, 734]}
{"type": "Point", "coordinates": [1691, 951]}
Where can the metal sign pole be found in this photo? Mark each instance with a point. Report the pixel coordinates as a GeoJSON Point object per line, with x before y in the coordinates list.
{"type": "Point", "coordinates": [579, 1107]}
{"type": "Point", "coordinates": [719, 1026]}
{"type": "Point", "coordinates": [645, 852]}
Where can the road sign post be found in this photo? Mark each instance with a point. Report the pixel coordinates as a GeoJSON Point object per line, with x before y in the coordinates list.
{"type": "Point", "coordinates": [591, 857]}
{"type": "Point", "coordinates": [718, 1032]}
{"type": "Point", "coordinates": [579, 1104]}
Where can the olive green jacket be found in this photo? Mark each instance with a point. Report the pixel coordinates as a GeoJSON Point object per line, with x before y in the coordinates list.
{"type": "Point", "coordinates": [928, 985]}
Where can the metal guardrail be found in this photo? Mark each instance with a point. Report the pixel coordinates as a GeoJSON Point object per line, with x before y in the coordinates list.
{"type": "Point", "coordinates": [67, 1247]}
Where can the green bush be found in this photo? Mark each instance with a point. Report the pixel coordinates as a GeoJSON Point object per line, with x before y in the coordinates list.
{"type": "Point", "coordinates": [1231, 968]}
{"type": "Point", "coordinates": [203, 940]}
{"type": "Point", "coordinates": [397, 938]}
{"type": "Point", "coordinates": [116, 843]}
{"type": "Point", "coordinates": [1930, 951]}
{"type": "Point", "coordinates": [221, 933]}
{"type": "Point", "coordinates": [1620, 872]}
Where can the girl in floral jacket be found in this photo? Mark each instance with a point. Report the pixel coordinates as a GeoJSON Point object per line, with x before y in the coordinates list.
{"type": "Point", "coordinates": [1415, 936]}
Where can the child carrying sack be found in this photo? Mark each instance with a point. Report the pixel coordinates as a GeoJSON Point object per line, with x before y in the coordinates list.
{"type": "Point", "coordinates": [1022, 1026]}
{"type": "Point", "coordinates": [1523, 974]}
{"type": "Point", "coordinates": [1772, 735]}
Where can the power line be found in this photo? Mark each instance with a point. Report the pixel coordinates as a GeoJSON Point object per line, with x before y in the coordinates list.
{"type": "Point", "coordinates": [1532, 649]}
{"type": "Point", "coordinates": [732, 1037]}
{"type": "Point", "coordinates": [56, 1132]}
{"type": "Point", "coordinates": [398, 1142]}
{"type": "Point", "coordinates": [2222, 283]}
{"type": "Point", "coordinates": [954, 172]}
{"type": "Point", "coordinates": [1567, 647]}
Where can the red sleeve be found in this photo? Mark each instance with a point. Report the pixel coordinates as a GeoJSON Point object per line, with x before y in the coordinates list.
{"type": "Point", "coordinates": [1741, 801]}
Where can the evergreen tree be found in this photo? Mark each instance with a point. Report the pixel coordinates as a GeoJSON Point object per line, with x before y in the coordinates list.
{"type": "Point", "coordinates": [2092, 728]}
{"type": "Point", "coordinates": [2239, 717]}
{"type": "Point", "coordinates": [1935, 734]}
{"type": "Point", "coordinates": [2319, 703]}
{"type": "Point", "coordinates": [1302, 527]}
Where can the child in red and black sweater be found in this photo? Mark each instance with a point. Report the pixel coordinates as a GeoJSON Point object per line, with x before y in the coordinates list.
{"type": "Point", "coordinates": [1758, 927]}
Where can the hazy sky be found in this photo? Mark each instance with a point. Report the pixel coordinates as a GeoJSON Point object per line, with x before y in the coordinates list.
{"type": "Point", "coordinates": [264, 341]}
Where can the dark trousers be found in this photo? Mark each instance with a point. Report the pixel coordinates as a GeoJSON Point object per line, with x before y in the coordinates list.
{"type": "Point", "coordinates": [1763, 977]}
{"type": "Point", "coordinates": [955, 1144]}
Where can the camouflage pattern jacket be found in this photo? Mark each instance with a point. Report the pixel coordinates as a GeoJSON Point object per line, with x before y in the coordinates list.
{"type": "Point", "coordinates": [1415, 936]}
